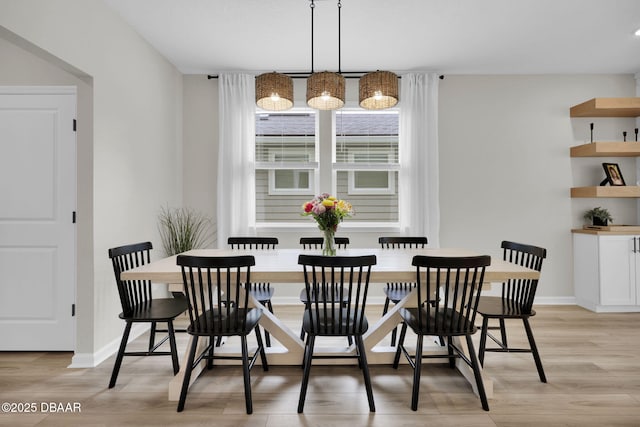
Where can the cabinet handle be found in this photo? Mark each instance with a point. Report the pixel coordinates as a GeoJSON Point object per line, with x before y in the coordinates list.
{"type": "Point", "coordinates": [634, 245]}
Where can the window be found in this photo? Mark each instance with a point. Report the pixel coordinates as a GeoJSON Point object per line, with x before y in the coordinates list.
{"type": "Point", "coordinates": [364, 170]}
{"type": "Point", "coordinates": [286, 166]}
{"type": "Point", "coordinates": [366, 153]}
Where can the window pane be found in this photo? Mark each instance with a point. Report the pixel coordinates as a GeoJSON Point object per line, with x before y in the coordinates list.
{"type": "Point", "coordinates": [285, 142]}
{"type": "Point", "coordinates": [376, 207]}
{"type": "Point", "coordinates": [367, 163]}
{"type": "Point", "coordinates": [369, 137]}
{"type": "Point", "coordinates": [291, 179]}
{"type": "Point", "coordinates": [371, 179]}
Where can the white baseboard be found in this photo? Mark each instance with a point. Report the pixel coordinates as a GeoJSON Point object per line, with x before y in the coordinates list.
{"type": "Point", "coordinates": [91, 360]}
{"type": "Point", "coordinates": [555, 301]}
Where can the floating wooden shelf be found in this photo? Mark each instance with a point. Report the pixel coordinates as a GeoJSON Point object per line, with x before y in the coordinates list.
{"type": "Point", "coordinates": [607, 149]}
{"type": "Point", "coordinates": [606, 191]}
{"type": "Point", "coordinates": [607, 107]}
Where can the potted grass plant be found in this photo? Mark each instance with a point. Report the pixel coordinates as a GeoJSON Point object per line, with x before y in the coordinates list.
{"type": "Point", "coordinates": [183, 229]}
{"type": "Point", "coordinates": [598, 216]}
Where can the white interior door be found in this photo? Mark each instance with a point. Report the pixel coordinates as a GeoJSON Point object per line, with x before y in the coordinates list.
{"type": "Point", "coordinates": [37, 230]}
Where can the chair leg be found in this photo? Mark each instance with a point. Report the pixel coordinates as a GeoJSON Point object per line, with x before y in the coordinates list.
{"type": "Point", "coordinates": [211, 350]}
{"type": "Point", "coordinates": [152, 336]}
{"type": "Point", "coordinates": [123, 346]}
{"type": "Point", "coordinates": [246, 375]}
{"type": "Point", "coordinates": [365, 371]}
{"type": "Point", "coordinates": [174, 348]}
{"type": "Point", "coordinates": [396, 359]}
{"type": "Point", "coordinates": [386, 306]}
{"type": "Point", "coordinates": [475, 365]}
{"type": "Point", "coordinates": [307, 370]}
{"type": "Point", "coordinates": [187, 373]}
{"type": "Point", "coordinates": [534, 350]}
{"type": "Point", "coordinates": [417, 370]}
{"type": "Point", "coordinates": [267, 336]}
{"type": "Point", "coordinates": [452, 358]}
{"type": "Point", "coordinates": [503, 333]}
{"type": "Point", "coordinates": [263, 355]}
{"type": "Point", "coordinates": [483, 339]}
{"type": "Point", "coordinates": [395, 330]}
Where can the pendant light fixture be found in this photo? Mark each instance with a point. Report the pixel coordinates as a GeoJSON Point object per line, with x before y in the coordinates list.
{"type": "Point", "coordinates": [274, 91]}
{"type": "Point", "coordinates": [325, 90]}
{"type": "Point", "coordinates": [378, 90]}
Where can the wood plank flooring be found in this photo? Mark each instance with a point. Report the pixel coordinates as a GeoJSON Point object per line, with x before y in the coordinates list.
{"type": "Point", "coordinates": [592, 362]}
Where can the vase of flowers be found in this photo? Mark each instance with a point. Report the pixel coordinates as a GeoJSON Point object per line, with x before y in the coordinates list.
{"type": "Point", "coordinates": [328, 212]}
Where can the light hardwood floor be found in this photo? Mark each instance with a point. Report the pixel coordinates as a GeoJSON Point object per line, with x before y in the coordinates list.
{"type": "Point", "coordinates": [592, 362]}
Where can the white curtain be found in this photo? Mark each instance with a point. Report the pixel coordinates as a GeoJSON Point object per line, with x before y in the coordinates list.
{"type": "Point", "coordinates": [236, 157]}
{"type": "Point", "coordinates": [418, 194]}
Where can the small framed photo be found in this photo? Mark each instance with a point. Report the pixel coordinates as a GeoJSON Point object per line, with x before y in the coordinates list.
{"type": "Point", "coordinates": [613, 173]}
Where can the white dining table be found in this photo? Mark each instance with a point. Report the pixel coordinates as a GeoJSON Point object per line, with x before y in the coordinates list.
{"type": "Point", "coordinates": [280, 266]}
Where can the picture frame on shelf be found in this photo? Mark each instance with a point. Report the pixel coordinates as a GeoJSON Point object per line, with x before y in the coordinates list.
{"type": "Point", "coordinates": [614, 175]}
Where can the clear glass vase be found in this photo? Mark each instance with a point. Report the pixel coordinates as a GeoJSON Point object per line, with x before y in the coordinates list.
{"type": "Point", "coordinates": [329, 246]}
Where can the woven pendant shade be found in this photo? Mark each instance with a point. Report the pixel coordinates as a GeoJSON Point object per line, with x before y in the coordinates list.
{"type": "Point", "coordinates": [378, 90]}
{"type": "Point", "coordinates": [274, 91]}
{"type": "Point", "coordinates": [325, 91]}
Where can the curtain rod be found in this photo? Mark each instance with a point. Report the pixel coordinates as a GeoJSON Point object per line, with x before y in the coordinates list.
{"type": "Point", "coordinates": [304, 75]}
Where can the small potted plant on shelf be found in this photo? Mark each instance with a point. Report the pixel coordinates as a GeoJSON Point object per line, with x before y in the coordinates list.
{"type": "Point", "coordinates": [598, 216]}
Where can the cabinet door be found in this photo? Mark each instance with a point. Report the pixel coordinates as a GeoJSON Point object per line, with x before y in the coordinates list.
{"type": "Point", "coordinates": [618, 269]}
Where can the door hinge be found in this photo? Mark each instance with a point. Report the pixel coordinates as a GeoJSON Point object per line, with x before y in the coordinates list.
{"type": "Point", "coordinates": [73, 310]}
{"type": "Point", "coordinates": [73, 217]}
{"type": "Point", "coordinates": [74, 125]}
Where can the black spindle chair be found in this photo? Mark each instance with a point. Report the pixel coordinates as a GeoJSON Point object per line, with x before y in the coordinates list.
{"type": "Point", "coordinates": [261, 291]}
{"type": "Point", "coordinates": [459, 281]}
{"type": "Point", "coordinates": [395, 291]}
{"type": "Point", "coordinates": [346, 278]}
{"type": "Point", "coordinates": [217, 289]}
{"type": "Point", "coordinates": [318, 243]}
{"type": "Point", "coordinates": [516, 302]}
{"type": "Point", "coordinates": [139, 306]}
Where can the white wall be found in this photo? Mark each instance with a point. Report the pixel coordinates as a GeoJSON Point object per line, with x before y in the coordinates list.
{"type": "Point", "coordinates": [200, 133]}
{"type": "Point", "coordinates": [137, 152]}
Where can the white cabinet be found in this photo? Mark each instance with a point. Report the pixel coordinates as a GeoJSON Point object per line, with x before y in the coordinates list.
{"type": "Point", "coordinates": [606, 271]}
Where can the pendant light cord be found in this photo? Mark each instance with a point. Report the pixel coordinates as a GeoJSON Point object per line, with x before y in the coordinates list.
{"type": "Point", "coordinates": [339, 37]}
{"type": "Point", "coordinates": [312, 6]}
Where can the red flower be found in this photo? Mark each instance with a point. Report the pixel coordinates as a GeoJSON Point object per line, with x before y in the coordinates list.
{"type": "Point", "coordinates": [308, 206]}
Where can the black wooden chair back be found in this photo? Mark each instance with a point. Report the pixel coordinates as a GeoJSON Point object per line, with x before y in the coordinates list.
{"type": "Point", "coordinates": [132, 292]}
{"type": "Point", "coordinates": [458, 282]}
{"type": "Point", "coordinates": [402, 242]}
{"type": "Point", "coordinates": [252, 242]}
{"type": "Point", "coordinates": [318, 242]}
{"type": "Point", "coordinates": [521, 292]}
{"type": "Point", "coordinates": [217, 289]}
{"type": "Point", "coordinates": [344, 282]}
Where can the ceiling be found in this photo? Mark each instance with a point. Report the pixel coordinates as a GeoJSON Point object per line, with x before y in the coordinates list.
{"type": "Point", "coordinates": [444, 36]}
